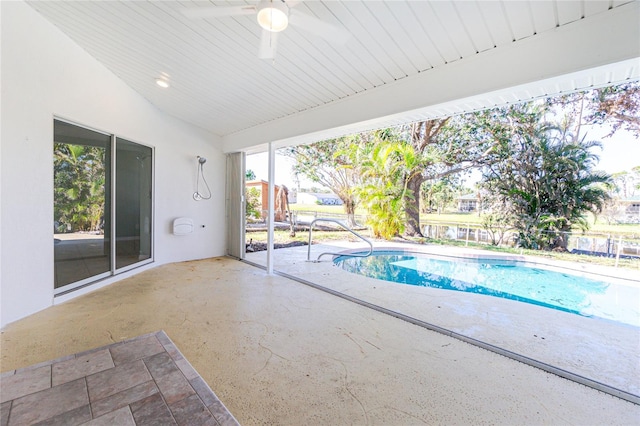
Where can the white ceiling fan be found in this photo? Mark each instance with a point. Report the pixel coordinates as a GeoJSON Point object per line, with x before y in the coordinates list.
{"type": "Point", "coordinates": [274, 16]}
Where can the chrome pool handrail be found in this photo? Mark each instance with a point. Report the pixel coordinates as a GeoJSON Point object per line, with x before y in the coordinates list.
{"type": "Point", "coordinates": [337, 222]}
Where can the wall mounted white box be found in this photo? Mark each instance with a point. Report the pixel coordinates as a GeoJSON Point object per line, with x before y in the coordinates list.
{"type": "Point", "coordinates": [182, 226]}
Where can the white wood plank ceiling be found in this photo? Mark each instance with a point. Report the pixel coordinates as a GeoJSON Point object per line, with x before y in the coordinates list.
{"type": "Point", "coordinates": [217, 81]}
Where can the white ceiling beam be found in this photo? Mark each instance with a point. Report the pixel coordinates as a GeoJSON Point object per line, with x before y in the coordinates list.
{"type": "Point", "coordinates": [598, 41]}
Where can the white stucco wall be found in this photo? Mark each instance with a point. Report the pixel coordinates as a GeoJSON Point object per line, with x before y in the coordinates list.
{"type": "Point", "coordinates": [45, 74]}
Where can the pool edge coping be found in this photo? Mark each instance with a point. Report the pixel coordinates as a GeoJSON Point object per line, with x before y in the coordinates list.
{"type": "Point", "coordinates": [577, 378]}
{"type": "Point", "coordinates": [602, 271]}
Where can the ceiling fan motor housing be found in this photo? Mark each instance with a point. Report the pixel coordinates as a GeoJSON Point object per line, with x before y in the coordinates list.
{"type": "Point", "coordinates": [273, 15]}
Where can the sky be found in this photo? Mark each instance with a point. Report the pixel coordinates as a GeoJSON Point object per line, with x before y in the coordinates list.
{"type": "Point", "coordinates": [259, 163]}
{"type": "Point", "coordinates": [621, 152]}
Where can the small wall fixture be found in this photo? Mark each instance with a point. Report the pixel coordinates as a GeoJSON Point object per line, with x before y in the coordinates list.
{"type": "Point", "coordinates": [182, 226]}
{"type": "Point", "coordinates": [200, 175]}
{"type": "Point", "coordinates": [162, 83]}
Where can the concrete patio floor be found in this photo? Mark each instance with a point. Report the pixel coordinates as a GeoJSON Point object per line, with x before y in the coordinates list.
{"type": "Point", "coordinates": [278, 352]}
{"type": "Point", "coordinates": [602, 351]}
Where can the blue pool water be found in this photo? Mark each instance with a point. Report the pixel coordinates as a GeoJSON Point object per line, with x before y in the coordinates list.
{"type": "Point", "coordinates": [508, 279]}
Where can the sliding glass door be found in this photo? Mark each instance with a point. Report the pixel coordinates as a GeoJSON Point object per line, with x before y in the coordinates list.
{"type": "Point", "coordinates": [103, 189]}
{"type": "Point", "coordinates": [81, 197]}
{"type": "Point", "coordinates": [133, 203]}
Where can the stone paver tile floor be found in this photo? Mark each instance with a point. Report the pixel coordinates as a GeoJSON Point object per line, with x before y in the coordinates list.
{"type": "Point", "coordinates": [144, 380]}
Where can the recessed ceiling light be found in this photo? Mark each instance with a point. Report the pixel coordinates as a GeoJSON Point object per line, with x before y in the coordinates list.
{"type": "Point", "coordinates": [162, 83]}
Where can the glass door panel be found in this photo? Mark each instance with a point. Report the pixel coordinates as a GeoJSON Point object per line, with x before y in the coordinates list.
{"type": "Point", "coordinates": [82, 160]}
{"type": "Point", "coordinates": [134, 180]}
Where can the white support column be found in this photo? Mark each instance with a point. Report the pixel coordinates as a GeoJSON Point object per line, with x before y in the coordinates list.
{"type": "Point", "coordinates": [271, 207]}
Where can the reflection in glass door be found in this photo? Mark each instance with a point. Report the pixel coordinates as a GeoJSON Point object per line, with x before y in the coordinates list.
{"type": "Point", "coordinates": [133, 203]}
{"type": "Point", "coordinates": [82, 159]}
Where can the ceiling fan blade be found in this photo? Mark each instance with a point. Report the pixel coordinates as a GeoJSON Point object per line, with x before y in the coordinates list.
{"type": "Point", "coordinates": [268, 44]}
{"type": "Point", "coordinates": [216, 12]}
{"type": "Point", "coordinates": [317, 27]}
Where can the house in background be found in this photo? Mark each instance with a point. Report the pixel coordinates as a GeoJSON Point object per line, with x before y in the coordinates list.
{"type": "Point", "coordinates": [280, 205]}
{"type": "Point", "coordinates": [631, 208]}
{"type": "Point", "coordinates": [319, 198]}
{"type": "Point", "coordinates": [293, 195]}
{"type": "Point", "coordinates": [149, 91]}
{"type": "Point", "coordinates": [468, 203]}
{"type": "Point", "coordinates": [632, 204]}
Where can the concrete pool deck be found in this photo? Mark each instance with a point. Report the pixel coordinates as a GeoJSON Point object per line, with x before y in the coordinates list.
{"type": "Point", "coordinates": [599, 350]}
{"type": "Point", "coordinates": [278, 352]}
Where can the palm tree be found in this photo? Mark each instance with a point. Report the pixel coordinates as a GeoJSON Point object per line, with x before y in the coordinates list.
{"type": "Point", "coordinates": [574, 187]}
{"type": "Point", "coordinates": [382, 193]}
{"type": "Point", "coordinates": [545, 178]}
{"type": "Point", "coordinates": [79, 188]}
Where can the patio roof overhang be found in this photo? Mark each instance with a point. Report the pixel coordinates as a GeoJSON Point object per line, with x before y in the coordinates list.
{"type": "Point", "coordinates": [588, 54]}
{"type": "Point", "coordinates": [405, 61]}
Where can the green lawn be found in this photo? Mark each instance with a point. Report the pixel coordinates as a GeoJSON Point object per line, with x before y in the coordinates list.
{"type": "Point", "coordinates": [622, 229]}
{"type": "Point", "coordinates": [471, 219]}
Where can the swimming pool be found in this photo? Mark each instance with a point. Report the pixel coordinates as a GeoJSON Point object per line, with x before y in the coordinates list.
{"type": "Point", "coordinates": [504, 278]}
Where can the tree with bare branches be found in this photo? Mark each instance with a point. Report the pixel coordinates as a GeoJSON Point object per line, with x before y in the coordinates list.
{"type": "Point", "coordinates": [328, 164]}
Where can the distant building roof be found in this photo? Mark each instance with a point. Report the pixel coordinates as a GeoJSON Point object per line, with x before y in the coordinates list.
{"type": "Point", "coordinates": [468, 197]}
{"type": "Point", "coordinates": [634, 199]}
{"type": "Point", "coordinates": [319, 194]}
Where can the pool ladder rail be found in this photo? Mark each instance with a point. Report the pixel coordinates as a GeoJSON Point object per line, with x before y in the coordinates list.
{"type": "Point", "coordinates": [342, 225]}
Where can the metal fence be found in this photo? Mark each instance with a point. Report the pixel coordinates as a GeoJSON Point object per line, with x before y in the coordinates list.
{"type": "Point", "coordinates": [592, 243]}
{"type": "Point", "coordinates": [589, 243]}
